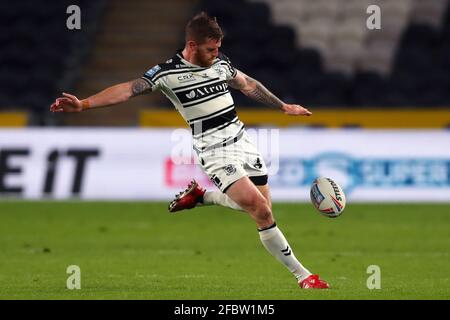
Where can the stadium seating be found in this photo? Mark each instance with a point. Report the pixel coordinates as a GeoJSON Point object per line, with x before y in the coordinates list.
{"type": "Point", "coordinates": [318, 53]}
{"type": "Point", "coordinates": [350, 64]}
{"type": "Point", "coordinates": [40, 55]}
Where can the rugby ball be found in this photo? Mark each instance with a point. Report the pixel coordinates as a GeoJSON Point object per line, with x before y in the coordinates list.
{"type": "Point", "coordinates": [327, 197]}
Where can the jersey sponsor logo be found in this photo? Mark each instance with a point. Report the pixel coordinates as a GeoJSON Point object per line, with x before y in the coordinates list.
{"type": "Point", "coordinates": [205, 91]}
{"type": "Point", "coordinates": [152, 71]}
{"type": "Point", "coordinates": [186, 78]}
{"type": "Point", "coordinates": [191, 95]}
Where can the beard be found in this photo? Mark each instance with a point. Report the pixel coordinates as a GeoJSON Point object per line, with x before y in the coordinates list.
{"type": "Point", "coordinates": [204, 62]}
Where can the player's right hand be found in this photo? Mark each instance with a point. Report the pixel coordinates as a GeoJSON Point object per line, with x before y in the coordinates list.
{"type": "Point", "coordinates": [67, 103]}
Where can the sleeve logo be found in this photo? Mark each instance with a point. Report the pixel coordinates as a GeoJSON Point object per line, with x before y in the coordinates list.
{"type": "Point", "coordinates": [152, 71]}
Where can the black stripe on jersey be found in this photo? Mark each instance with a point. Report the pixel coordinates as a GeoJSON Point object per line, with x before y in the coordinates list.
{"type": "Point", "coordinates": [230, 141]}
{"type": "Point", "coordinates": [214, 130]}
{"type": "Point", "coordinates": [202, 126]}
{"type": "Point", "coordinates": [194, 84]}
{"type": "Point", "coordinates": [226, 109]}
{"type": "Point", "coordinates": [204, 100]}
{"type": "Point", "coordinates": [224, 60]}
{"type": "Point", "coordinates": [187, 96]}
{"type": "Point", "coordinates": [230, 68]}
{"type": "Point", "coordinates": [150, 82]}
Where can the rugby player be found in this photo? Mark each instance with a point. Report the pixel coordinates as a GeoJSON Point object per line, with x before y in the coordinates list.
{"type": "Point", "coordinates": [197, 80]}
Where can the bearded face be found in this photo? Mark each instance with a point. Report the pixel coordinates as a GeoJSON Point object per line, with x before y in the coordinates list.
{"type": "Point", "coordinates": [206, 52]}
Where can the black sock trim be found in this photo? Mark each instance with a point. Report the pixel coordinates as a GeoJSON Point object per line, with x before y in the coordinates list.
{"type": "Point", "coordinates": [267, 228]}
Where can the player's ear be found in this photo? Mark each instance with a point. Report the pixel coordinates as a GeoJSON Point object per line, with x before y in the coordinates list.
{"type": "Point", "coordinates": [191, 44]}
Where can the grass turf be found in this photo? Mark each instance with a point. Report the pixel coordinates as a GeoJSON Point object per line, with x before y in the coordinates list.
{"type": "Point", "coordinates": [139, 251]}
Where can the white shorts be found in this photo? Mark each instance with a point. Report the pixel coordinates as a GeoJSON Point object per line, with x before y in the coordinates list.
{"type": "Point", "coordinates": [225, 165]}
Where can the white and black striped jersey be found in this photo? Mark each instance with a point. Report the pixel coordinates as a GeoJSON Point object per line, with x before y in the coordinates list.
{"type": "Point", "coordinates": [201, 96]}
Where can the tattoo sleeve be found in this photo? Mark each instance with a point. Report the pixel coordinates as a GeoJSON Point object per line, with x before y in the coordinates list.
{"type": "Point", "coordinates": [261, 94]}
{"type": "Point", "coordinates": [235, 84]}
{"type": "Point", "coordinates": [140, 86]}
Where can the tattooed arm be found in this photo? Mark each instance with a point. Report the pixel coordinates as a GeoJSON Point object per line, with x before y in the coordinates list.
{"type": "Point", "coordinates": [110, 96]}
{"type": "Point", "coordinates": [257, 91]}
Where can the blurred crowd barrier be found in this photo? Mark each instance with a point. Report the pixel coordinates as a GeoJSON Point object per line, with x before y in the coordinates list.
{"type": "Point", "coordinates": [328, 118]}
{"type": "Point", "coordinates": [322, 118]}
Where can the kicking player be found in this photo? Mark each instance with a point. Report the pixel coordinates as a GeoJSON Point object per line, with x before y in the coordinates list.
{"type": "Point", "coordinates": [196, 81]}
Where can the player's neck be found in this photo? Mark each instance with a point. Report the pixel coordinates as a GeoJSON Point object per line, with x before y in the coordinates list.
{"type": "Point", "coordinates": [185, 54]}
{"type": "Point", "coordinates": [189, 56]}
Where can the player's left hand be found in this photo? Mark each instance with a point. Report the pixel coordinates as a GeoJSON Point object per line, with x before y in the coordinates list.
{"type": "Point", "coordinates": [295, 110]}
{"type": "Point", "coordinates": [66, 103]}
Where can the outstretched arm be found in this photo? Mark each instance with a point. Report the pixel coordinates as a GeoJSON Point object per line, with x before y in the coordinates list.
{"type": "Point", "coordinates": [108, 97]}
{"type": "Point", "coordinates": [257, 91]}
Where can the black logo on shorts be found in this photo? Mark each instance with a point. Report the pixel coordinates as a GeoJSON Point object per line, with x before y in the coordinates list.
{"type": "Point", "coordinates": [229, 169]}
{"type": "Point", "coordinates": [258, 164]}
{"type": "Point", "coordinates": [216, 181]}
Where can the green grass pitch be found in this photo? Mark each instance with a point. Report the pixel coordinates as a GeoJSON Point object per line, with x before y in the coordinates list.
{"type": "Point", "coordinates": [139, 251]}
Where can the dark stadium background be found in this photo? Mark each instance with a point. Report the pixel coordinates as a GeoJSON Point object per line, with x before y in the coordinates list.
{"type": "Point", "coordinates": [288, 45]}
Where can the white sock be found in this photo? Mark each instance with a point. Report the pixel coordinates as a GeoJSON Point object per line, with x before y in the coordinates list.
{"type": "Point", "coordinates": [221, 199]}
{"type": "Point", "coordinates": [275, 242]}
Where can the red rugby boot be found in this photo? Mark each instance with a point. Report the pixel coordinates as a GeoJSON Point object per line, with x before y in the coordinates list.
{"type": "Point", "coordinates": [313, 282]}
{"type": "Point", "coordinates": [188, 198]}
